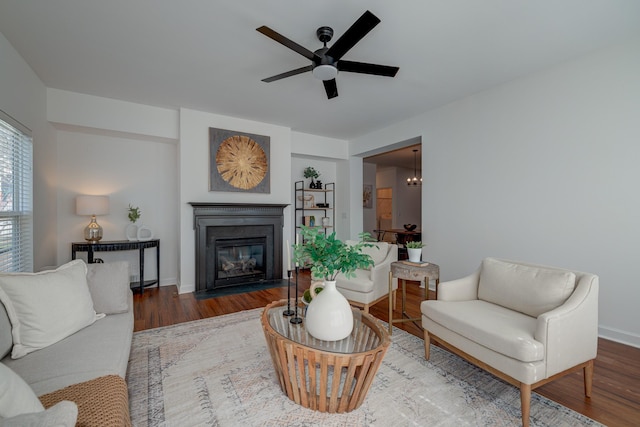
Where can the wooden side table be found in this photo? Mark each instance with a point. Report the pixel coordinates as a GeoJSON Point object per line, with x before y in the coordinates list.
{"type": "Point", "coordinates": [406, 270]}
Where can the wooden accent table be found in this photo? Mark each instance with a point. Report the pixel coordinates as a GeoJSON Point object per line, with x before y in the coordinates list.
{"type": "Point", "coordinates": [326, 376]}
{"type": "Point", "coordinates": [406, 270]}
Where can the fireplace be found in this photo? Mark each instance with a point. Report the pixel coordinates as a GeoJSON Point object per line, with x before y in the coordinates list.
{"type": "Point", "coordinates": [237, 244]}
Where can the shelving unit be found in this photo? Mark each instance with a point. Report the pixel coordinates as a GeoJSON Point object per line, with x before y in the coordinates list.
{"type": "Point", "coordinates": [306, 206]}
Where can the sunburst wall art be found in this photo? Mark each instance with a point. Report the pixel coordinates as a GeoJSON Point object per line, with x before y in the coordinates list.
{"type": "Point", "coordinates": [238, 161]}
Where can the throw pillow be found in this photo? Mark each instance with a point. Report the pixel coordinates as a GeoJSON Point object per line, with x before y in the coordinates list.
{"type": "Point", "coordinates": [46, 307]}
{"type": "Point", "coordinates": [109, 286]}
{"type": "Point", "coordinates": [63, 414]}
{"type": "Point", "coordinates": [16, 397]}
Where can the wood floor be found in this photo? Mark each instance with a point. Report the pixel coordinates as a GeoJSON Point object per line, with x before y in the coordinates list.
{"type": "Point", "coordinates": [615, 399]}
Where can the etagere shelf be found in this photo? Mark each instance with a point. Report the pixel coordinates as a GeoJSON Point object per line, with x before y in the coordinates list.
{"type": "Point", "coordinates": [307, 211]}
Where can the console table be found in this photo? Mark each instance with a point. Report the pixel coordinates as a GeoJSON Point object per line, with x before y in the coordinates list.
{"type": "Point", "coordinates": [122, 245]}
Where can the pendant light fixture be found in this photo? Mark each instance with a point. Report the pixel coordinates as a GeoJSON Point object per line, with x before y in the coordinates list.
{"type": "Point", "coordinates": [415, 180]}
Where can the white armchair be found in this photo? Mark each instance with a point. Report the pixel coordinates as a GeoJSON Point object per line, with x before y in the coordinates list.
{"type": "Point", "coordinates": [527, 324]}
{"type": "Point", "coordinates": [370, 286]}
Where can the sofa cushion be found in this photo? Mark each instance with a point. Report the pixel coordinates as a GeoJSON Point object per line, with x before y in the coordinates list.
{"type": "Point", "coordinates": [377, 251]}
{"type": "Point", "coordinates": [62, 414]}
{"type": "Point", "coordinates": [16, 397]}
{"type": "Point", "coordinates": [500, 329]}
{"type": "Point", "coordinates": [527, 289]}
{"type": "Point", "coordinates": [46, 307]}
{"type": "Point", "coordinates": [109, 286]}
{"type": "Point", "coordinates": [100, 349]}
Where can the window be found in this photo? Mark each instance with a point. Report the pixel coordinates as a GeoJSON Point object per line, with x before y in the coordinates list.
{"type": "Point", "coordinates": [16, 213]}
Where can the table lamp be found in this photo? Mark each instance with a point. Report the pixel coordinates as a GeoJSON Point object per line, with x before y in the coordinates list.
{"type": "Point", "coordinates": [92, 205]}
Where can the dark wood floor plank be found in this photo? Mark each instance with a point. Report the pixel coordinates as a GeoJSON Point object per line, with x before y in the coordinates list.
{"type": "Point", "coordinates": [615, 398]}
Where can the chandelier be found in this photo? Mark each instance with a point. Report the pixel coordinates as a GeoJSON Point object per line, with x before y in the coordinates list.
{"type": "Point", "coordinates": [415, 180]}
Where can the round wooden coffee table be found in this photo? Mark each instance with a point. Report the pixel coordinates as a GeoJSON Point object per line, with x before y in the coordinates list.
{"type": "Point", "coordinates": [327, 376]}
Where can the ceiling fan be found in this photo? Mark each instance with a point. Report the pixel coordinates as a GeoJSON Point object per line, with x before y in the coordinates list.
{"type": "Point", "coordinates": [327, 61]}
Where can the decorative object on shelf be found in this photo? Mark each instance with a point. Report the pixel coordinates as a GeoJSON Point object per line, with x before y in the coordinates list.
{"type": "Point", "coordinates": [329, 316]}
{"type": "Point", "coordinates": [131, 230]}
{"type": "Point", "coordinates": [326, 221]}
{"type": "Point", "coordinates": [310, 172]}
{"type": "Point", "coordinates": [144, 233]}
{"type": "Point", "coordinates": [410, 227]}
{"type": "Point", "coordinates": [414, 249]}
{"type": "Point", "coordinates": [322, 205]}
{"type": "Point", "coordinates": [367, 196]}
{"type": "Point", "coordinates": [238, 161]}
{"type": "Point", "coordinates": [414, 180]}
{"type": "Point", "coordinates": [92, 205]}
{"type": "Point", "coordinates": [308, 201]}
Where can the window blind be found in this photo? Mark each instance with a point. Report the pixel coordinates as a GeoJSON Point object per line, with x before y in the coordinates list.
{"type": "Point", "coordinates": [16, 194]}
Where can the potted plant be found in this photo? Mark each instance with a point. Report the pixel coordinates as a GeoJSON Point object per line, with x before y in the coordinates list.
{"type": "Point", "coordinates": [415, 250]}
{"type": "Point", "coordinates": [329, 316]}
{"type": "Point", "coordinates": [131, 230]}
{"type": "Point", "coordinates": [310, 172]}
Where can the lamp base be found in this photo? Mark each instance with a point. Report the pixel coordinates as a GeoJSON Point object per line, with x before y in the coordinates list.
{"type": "Point", "coordinates": [93, 231]}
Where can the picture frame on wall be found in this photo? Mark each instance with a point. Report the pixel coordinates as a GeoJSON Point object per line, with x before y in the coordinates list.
{"type": "Point", "coordinates": [239, 161]}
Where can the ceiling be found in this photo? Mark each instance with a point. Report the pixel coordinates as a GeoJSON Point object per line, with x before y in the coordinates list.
{"type": "Point", "coordinates": [207, 55]}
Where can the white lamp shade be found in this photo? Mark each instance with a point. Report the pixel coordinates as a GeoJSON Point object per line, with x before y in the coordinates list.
{"type": "Point", "coordinates": [92, 205]}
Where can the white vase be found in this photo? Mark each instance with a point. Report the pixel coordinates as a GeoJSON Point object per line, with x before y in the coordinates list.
{"type": "Point", "coordinates": [131, 232]}
{"type": "Point", "coordinates": [414, 254]}
{"type": "Point", "coordinates": [329, 316]}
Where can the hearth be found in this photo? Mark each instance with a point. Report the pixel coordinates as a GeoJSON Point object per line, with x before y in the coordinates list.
{"type": "Point", "coordinates": [237, 244]}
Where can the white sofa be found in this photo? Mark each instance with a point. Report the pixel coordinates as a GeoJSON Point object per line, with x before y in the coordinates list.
{"type": "Point", "coordinates": [91, 358]}
{"type": "Point", "coordinates": [527, 324]}
{"type": "Point", "coordinates": [371, 285]}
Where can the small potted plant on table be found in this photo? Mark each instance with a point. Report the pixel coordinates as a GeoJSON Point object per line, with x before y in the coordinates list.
{"type": "Point", "coordinates": [414, 250]}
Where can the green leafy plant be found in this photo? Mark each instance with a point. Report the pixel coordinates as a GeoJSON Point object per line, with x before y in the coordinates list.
{"type": "Point", "coordinates": [134, 213]}
{"type": "Point", "coordinates": [415, 245]}
{"type": "Point", "coordinates": [328, 256]}
{"type": "Point", "coordinates": [310, 172]}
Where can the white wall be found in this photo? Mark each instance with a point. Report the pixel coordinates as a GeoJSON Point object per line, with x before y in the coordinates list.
{"type": "Point", "coordinates": [124, 150]}
{"type": "Point", "coordinates": [194, 177]}
{"type": "Point", "coordinates": [542, 169]}
{"type": "Point", "coordinates": [23, 97]}
{"type": "Point", "coordinates": [130, 171]}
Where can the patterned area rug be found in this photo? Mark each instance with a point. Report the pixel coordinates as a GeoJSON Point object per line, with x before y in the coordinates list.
{"type": "Point", "coordinates": [218, 372]}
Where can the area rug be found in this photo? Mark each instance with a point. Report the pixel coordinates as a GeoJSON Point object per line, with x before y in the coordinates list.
{"type": "Point", "coordinates": [218, 372]}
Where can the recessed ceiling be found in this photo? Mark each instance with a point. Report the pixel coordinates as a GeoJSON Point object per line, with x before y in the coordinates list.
{"type": "Point", "coordinates": [208, 55]}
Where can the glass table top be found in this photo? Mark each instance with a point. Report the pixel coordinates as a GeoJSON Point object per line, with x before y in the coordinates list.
{"type": "Point", "coordinates": [363, 338]}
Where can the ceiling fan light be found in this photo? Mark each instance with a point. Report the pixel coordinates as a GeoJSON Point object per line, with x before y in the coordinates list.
{"type": "Point", "coordinates": [325, 72]}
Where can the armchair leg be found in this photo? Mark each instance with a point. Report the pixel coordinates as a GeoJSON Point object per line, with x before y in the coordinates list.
{"type": "Point", "coordinates": [525, 403]}
{"type": "Point", "coordinates": [588, 378]}
{"type": "Point", "coordinates": [394, 299]}
{"type": "Point", "coordinates": [427, 345]}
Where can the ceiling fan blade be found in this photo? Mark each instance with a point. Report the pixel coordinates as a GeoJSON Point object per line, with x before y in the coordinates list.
{"type": "Point", "coordinates": [286, 42]}
{"type": "Point", "coordinates": [353, 35]}
{"type": "Point", "coordinates": [365, 68]}
{"type": "Point", "coordinates": [331, 88]}
{"type": "Point", "coordinates": [288, 74]}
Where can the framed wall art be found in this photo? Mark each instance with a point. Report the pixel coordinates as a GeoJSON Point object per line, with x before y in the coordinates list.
{"type": "Point", "coordinates": [239, 161]}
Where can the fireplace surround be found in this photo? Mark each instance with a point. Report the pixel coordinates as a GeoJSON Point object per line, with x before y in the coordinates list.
{"type": "Point", "coordinates": [237, 244]}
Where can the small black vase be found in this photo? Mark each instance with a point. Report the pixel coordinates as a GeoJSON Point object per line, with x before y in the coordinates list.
{"type": "Point", "coordinates": [318, 185]}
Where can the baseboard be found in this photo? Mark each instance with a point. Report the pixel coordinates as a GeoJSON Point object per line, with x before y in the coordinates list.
{"type": "Point", "coordinates": [617, 335]}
